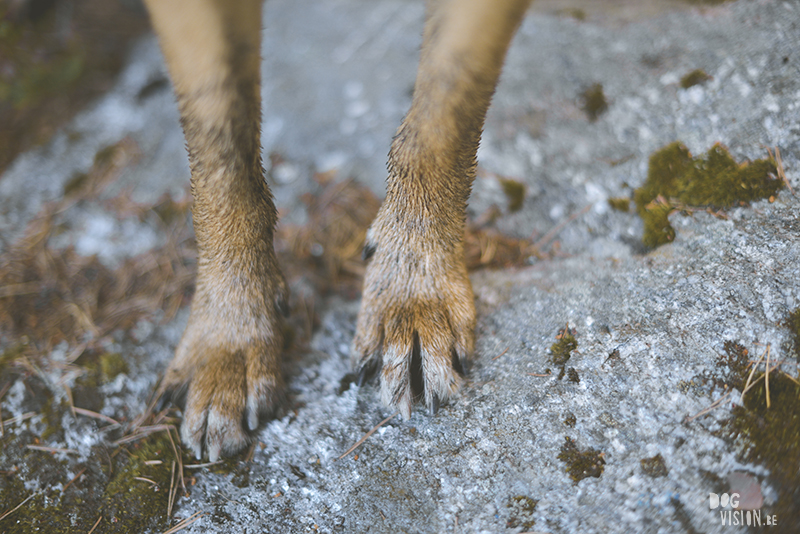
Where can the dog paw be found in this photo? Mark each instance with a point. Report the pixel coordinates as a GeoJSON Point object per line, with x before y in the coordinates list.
{"type": "Point", "coordinates": [226, 373]}
{"type": "Point", "coordinates": [417, 321]}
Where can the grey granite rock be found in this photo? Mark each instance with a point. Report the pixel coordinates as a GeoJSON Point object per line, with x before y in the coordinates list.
{"type": "Point", "coordinates": [338, 75]}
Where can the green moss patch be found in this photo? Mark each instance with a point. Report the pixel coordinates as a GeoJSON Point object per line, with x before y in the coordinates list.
{"type": "Point", "coordinates": [654, 467]}
{"type": "Point", "coordinates": [521, 510]}
{"type": "Point", "coordinates": [765, 428]}
{"type": "Point", "coordinates": [137, 495]}
{"type": "Point", "coordinates": [128, 487]}
{"type": "Point", "coordinates": [562, 349]}
{"type": "Point", "coordinates": [620, 204]}
{"type": "Point", "coordinates": [572, 375]}
{"type": "Point", "coordinates": [794, 327]}
{"type": "Point", "coordinates": [696, 77]}
{"type": "Point", "coordinates": [593, 102]}
{"type": "Point", "coordinates": [676, 180]}
{"type": "Point", "coordinates": [735, 363]}
{"type": "Point", "coordinates": [581, 464]}
{"type": "Point", "coordinates": [770, 435]}
{"type": "Point", "coordinates": [515, 193]}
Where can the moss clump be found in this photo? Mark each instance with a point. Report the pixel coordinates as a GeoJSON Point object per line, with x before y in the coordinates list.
{"type": "Point", "coordinates": [794, 327]}
{"type": "Point", "coordinates": [132, 504]}
{"type": "Point", "coordinates": [665, 169]}
{"type": "Point", "coordinates": [128, 488]}
{"type": "Point", "coordinates": [736, 362]}
{"type": "Point", "coordinates": [521, 512]}
{"type": "Point", "coordinates": [719, 182]}
{"type": "Point", "coordinates": [620, 204]}
{"type": "Point", "coordinates": [563, 347]}
{"type": "Point", "coordinates": [570, 420]}
{"type": "Point", "coordinates": [696, 77]}
{"type": "Point", "coordinates": [654, 467]}
{"type": "Point", "coordinates": [43, 512]}
{"type": "Point", "coordinates": [581, 464]}
{"type": "Point", "coordinates": [593, 102]}
{"type": "Point", "coordinates": [12, 353]}
{"type": "Point", "coordinates": [676, 180]}
{"type": "Point", "coordinates": [101, 368]}
{"type": "Point", "coordinates": [98, 369]}
{"type": "Point", "coordinates": [515, 193]}
{"type": "Point", "coordinates": [771, 436]}
{"type": "Point", "coordinates": [572, 375]}
{"type": "Point", "coordinates": [111, 365]}
{"type": "Point", "coordinates": [657, 229]}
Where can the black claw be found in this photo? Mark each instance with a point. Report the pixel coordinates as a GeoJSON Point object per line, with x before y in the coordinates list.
{"type": "Point", "coordinates": [416, 376]}
{"type": "Point", "coordinates": [283, 306]}
{"type": "Point", "coordinates": [433, 408]}
{"type": "Point", "coordinates": [362, 376]}
{"type": "Point", "coordinates": [459, 362]}
{"type": "Point", "coordinates": [179, 397]}
{"type": "Point", "coordinates": [164, 400]}
{"type": "Point", "coordinates": [366, 372]}
{"type": "Point", "coordinates": [176, 396]}
{"type": "Point", "coordinates": [369, 250]}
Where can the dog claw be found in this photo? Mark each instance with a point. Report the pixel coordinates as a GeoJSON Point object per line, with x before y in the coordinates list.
{"type": "Point", "coordinates": [176, 396]}
{"type": "Point", "coordinates": [282, 306]}
{"type": "Point", "coordinates": [164, 400]}
{"type": "Point", "coordinates": [369, 250]}
{"type": "Point", "coordinates": [362, 376]}
{"type": "Point", "coordinates": [366, 372]}
{"type": "Point", "coordinates": [252, 420]}
{"type": "Point", "coordinates": [213, 453]}
{"type": "Point", "coordinates": [459, 362]}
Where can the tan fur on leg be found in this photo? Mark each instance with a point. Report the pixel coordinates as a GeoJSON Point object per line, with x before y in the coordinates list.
{"type": "Point", "coordinates": [417, 318]}
{"type": "Point", "coordinates": [228, 361]}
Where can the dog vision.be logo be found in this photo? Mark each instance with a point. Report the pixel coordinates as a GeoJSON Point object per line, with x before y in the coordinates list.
{"type": "Point", "coordinates": [730, 514]}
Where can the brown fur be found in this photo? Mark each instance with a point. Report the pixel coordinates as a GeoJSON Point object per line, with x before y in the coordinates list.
{"type": "Point", "coordinates": [417, 317]}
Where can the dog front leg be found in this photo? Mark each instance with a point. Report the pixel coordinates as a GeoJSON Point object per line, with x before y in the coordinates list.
{"type": "Point", "coordinates": [227, 366]}
{"type": "Point", "coordinates": [417, 316]}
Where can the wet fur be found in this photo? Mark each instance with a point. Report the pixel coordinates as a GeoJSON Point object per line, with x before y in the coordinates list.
{"type": "Point", "coordinates": [417, 319]}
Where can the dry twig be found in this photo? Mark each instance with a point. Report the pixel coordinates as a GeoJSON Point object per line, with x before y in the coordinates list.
{"type": "Point", "coordinates": [779, 165]}
{"type": "Point", "coordinates": [747, 384]}
{"type": "Point", "coordinates": [95, 415]}
{"type": "Point", "coordinates": [560, 226]}
{"type": "Point", "coordinates": [185, 523]}
{"type": "Point", "coordinates": [172, 490]}
{"type": "Point", "coordinates": [95, 524]}
{"type": "Point", "coordinates": [17, 507]}
{"type": "Point", "coordinates": [367, 435]}
{"type": "Point", "coordinates": [766, 378]}
{"type": "Point", "coordinates": [76, 477]}
{"type": "Point", "coordinates": [53, 450]}
{"type": "Point", "coordinates": [496, 357]}
{"type": "Point", "coordinates": [704, 411]}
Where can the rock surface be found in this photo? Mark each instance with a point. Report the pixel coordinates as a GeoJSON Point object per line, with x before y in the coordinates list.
{"type": "Point", "coordinates": [649, 325]}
